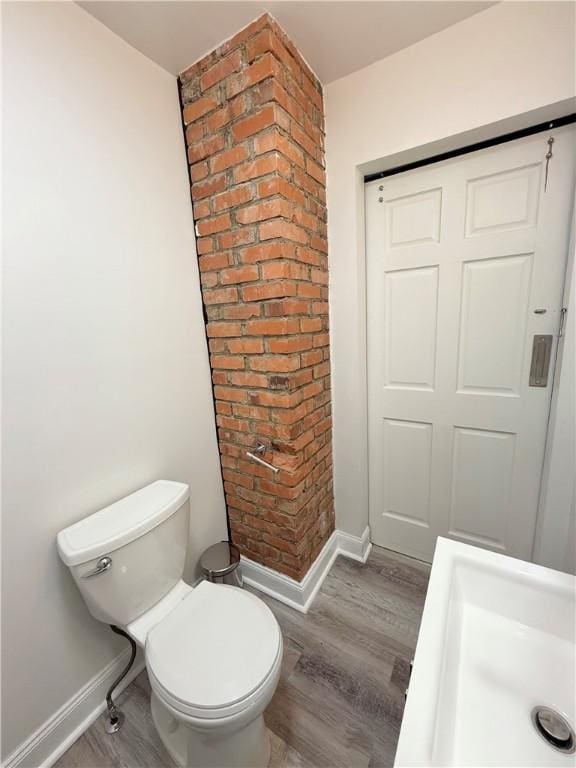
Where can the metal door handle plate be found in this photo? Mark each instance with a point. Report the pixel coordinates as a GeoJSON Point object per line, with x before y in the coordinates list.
{"type": "Point", "coordinates": [540, 364]}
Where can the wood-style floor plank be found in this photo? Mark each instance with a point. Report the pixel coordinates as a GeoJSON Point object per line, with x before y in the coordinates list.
{"type": "Point", "coordinates": [340, 699]}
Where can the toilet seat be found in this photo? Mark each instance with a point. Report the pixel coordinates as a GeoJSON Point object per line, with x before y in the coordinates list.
{"type": "Point", "coordinates": [213, 655]}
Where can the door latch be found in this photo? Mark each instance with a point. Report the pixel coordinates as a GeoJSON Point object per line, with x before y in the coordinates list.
{"type": "Point", "coordinates": [562, 320]}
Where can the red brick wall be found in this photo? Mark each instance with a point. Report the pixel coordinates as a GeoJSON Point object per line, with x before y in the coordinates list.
{"type": "Point", "coordinates": [254, 121]}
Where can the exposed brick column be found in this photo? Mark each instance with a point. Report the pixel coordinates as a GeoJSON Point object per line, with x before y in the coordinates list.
{"type": "Point", "coordinates": [254, 121]}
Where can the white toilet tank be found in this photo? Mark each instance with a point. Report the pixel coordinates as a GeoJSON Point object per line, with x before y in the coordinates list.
{"type": "Point", "coordinates": [145, 536]}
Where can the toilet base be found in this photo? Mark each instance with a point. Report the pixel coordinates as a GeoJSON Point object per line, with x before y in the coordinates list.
{"type": "Point", "coordinates": [242, 745]}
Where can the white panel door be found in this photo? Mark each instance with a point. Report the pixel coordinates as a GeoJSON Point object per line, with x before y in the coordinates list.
{"type": "Point", "coordinates": [465, 264]}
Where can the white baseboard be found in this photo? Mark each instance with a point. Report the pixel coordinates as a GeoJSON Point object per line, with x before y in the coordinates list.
{"type": "Point", "coordinates": [355, 547]}
{"type": "Point", "coordinates": [59, 732]}
{"type": "Point", "coordinates": [300, 594]}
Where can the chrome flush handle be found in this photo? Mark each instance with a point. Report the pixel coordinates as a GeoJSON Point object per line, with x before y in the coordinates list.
{"type": "Point", "coordinates": [104, 564]}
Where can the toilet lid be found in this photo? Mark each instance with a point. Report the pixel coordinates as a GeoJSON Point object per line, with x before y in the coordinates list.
{"type": "Point", "coordinates": [215, 648]}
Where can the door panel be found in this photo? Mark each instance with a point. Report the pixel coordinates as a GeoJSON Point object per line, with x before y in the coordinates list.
{"type": "Point", "coordinates": [414, 219]}
{"type": "Point", "coordinates": [407, 472]}
{"type": "Point", "coordinates": [494, 304]}
{"type": "Point", "coordinates": [460, 254]}
{"type": "Point", "coordinates": [503, 201]}
{"type": "Point", "coordinates": [482, 462]}
{"type": "Point", "coordinates": [411, 298]}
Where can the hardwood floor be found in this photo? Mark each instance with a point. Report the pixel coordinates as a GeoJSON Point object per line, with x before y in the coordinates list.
{"type": "Point", "coordinates": [340, 699]}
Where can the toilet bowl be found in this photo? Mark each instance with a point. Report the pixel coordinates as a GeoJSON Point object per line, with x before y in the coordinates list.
{"type": "Point", "coordinates": [214, 664]}
{"type": "Point", "coordinates": [213, 652]}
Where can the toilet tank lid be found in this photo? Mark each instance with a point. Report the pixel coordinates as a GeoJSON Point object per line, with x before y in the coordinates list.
{"type": "Point", "coordinates": [121, 522]}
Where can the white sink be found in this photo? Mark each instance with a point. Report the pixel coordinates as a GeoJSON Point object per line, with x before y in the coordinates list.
{"type": "Point", "coordinates": [497, 639]}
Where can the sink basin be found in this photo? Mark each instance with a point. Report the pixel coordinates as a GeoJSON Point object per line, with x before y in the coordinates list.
{"type": "Point", "coordinates": [497, 639]}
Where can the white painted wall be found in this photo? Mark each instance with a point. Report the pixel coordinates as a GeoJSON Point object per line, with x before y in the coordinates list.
{"type": "Point", "coordinates": [555, 545]}
{"type": "Point", "coordinates": [106, 376]}
{"type": "Point", "coordinates": [467, 82]}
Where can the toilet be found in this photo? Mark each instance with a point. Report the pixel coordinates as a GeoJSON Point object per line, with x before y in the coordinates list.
{"type": "Point", "coordinates": [213, 652]}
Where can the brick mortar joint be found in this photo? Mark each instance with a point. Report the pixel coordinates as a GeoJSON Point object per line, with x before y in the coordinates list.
{"type": "Point", "coordinates": [218, 93]}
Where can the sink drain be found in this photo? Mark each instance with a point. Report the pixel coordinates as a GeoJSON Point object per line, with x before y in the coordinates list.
{"type": "Point", "coordinates": [554, 729]}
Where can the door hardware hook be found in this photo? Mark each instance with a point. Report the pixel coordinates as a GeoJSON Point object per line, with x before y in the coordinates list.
{"type": "Point", "coordinates": [548, 157]}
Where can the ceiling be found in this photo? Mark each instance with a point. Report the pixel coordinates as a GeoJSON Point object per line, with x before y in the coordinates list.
{"type": "Point", "coordinates": [336, 37]}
